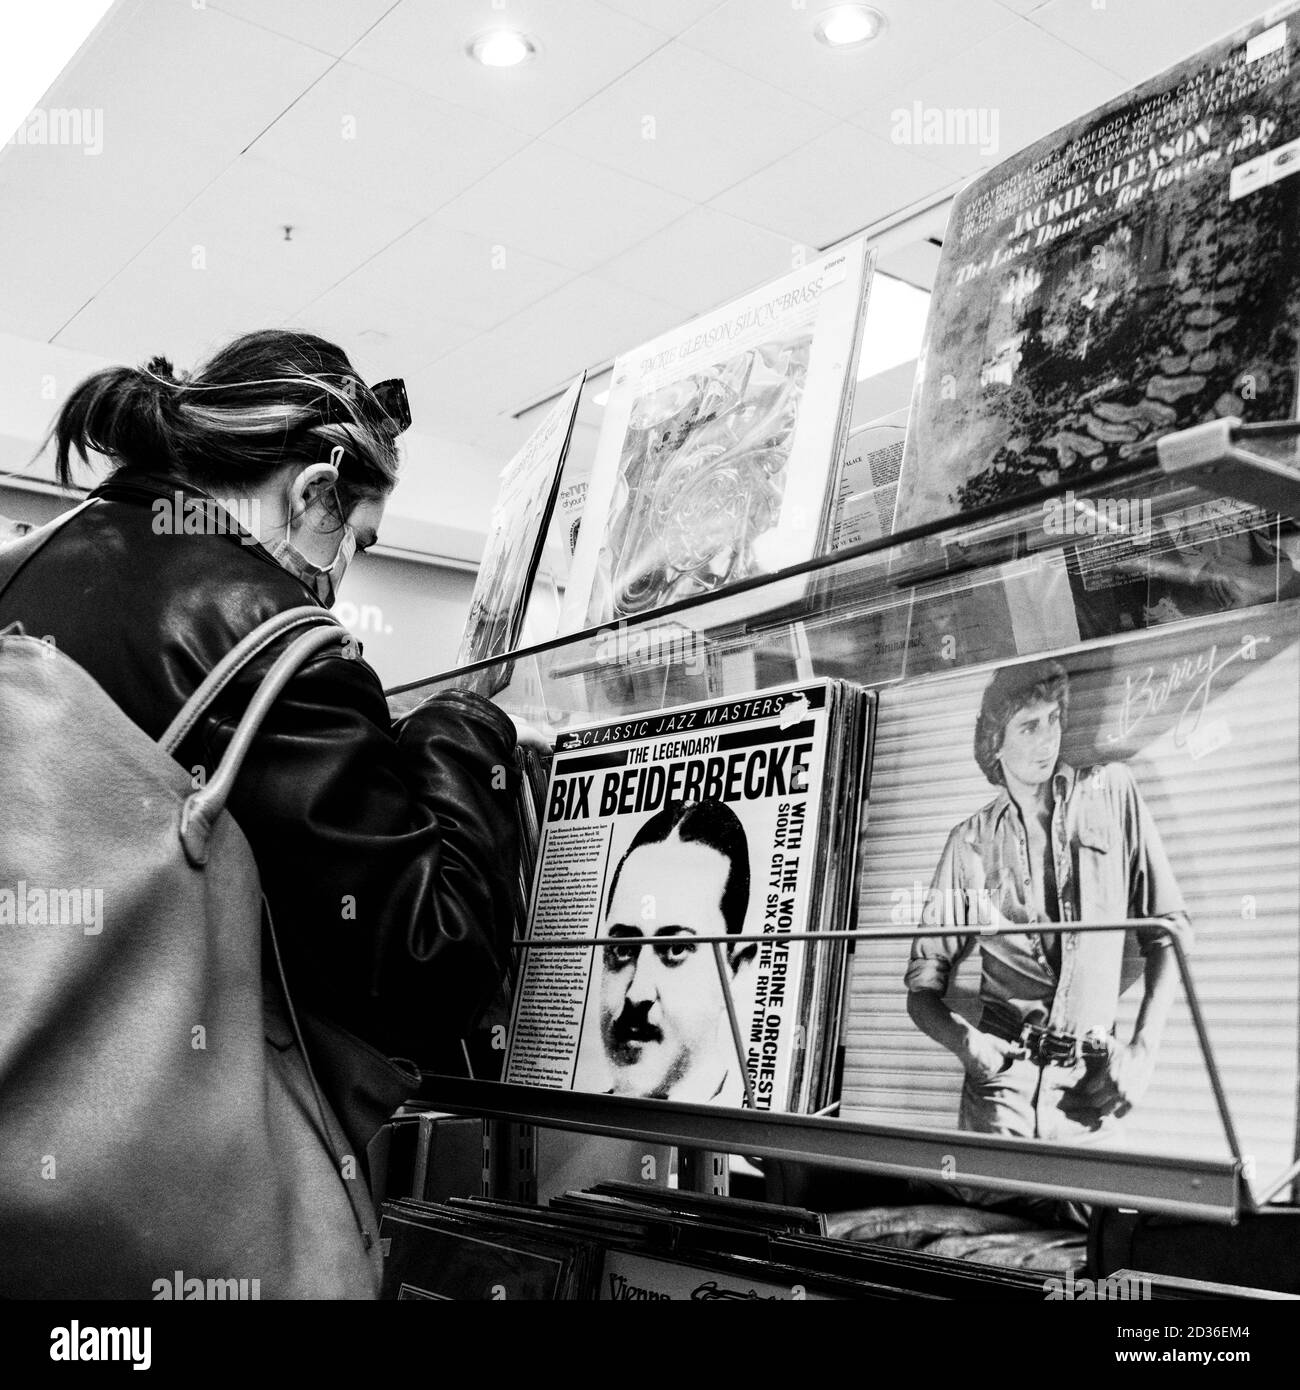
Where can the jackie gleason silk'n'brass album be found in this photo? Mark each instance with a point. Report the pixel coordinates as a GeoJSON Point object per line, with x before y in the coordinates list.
{"type": "Point", "coordinates": [720, 445]}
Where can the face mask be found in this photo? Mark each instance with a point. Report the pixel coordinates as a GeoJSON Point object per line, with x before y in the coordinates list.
{"type": "Point", "coordinates": [323, 582]}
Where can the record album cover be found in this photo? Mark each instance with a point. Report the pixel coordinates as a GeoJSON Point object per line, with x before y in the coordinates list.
{"type": "Point", "coordinates": [1134, 273]}
{"type": "Point", "coordinates": [717, 456]}
{"type": "Point", "coordinates": [868, 488]}
{"type": "Point", "coordinates": [731, 818]}
{"type": "Point", "coordinates": [517, 533]}
{"type": "Point", "coordinates": [1153, 776]}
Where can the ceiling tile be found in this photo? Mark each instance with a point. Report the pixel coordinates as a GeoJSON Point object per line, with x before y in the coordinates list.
{"type": "Point", "coordinates": [582, 47]}
{"type": "Point", "coordinates": [135, 317]}
{"type": "Point", "coordinates": [583, 324]}
{"type": "Point", "coordinates": [702, 260]}
{"type": "Point", "coordinates": [251, 204]}
{"type": "Point", "coordinates": [652, 124]}
{"type": "Point", "coordinates": [168, 129]}
{"type": "Point", "coordinates": [586, 322]}
{"type": "Point", "coordinates": [466, 388]}
{"type": "Point", "coordinates": [1140, 39]}
{"type": "Point", "coordinates": [553, 205]}
{"type": "Point", "coordinates": [502, 438]}
{"type": "Point", "coordinates": [459, 278]}
{"type": "Point", "coordinates": [381, 338]}
{"type": "Point", "coordinates": [240, 219]}
{"type": "Point", "coordinates": [370, 137]}
{"type": "Point", "coordinates": [834, 186]}
{"type": "Point", "coordinates": [333, 26]}
{"type": "Point", "coordinates": [974, 111]}
{"type": "Point", "coordinates": [121, 178]}
{"type": "Point", "coordinates": [670, 16]}
{"type": "Point", "coordinates": [52, 268]}
{"type": "Point", "coordinates": [779, 47]}
{"type": "Point", "coordinates": [175, 80]}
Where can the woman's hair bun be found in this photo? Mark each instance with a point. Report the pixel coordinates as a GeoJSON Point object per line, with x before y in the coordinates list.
{"type": "Point", "coordinates": [161, 367]}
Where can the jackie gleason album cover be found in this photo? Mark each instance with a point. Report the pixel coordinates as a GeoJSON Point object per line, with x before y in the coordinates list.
{"type": "Point", "coordinates": [1131, 274]}
{"type": "Point", "coordinates": [735, 819]}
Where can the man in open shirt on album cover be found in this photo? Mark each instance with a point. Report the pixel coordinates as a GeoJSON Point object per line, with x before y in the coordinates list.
{"type": "Point", "coordinates": [1057, 844]}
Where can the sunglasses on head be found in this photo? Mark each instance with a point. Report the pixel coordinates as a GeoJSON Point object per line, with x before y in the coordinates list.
{"type": "Point", "coordinates": [392, 399]}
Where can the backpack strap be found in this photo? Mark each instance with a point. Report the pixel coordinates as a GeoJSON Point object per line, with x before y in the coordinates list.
{"type": "Point", "coordinates": [204, 806]}
{"type": "Point", "coordinates": [237, 658]}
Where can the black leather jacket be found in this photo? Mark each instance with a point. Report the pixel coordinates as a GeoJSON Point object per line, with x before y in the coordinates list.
{"type": "Point", "coordinates": [386, 852]}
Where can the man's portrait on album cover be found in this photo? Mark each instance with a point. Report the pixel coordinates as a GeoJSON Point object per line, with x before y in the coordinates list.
{"type": "Point", "coordinates": [1056, 844]}
{"type": "Point", "coordinates": [657, 1000]}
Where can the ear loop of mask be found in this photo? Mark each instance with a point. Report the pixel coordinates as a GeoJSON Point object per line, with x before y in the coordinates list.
{"type": "Point", "coordinates": [336, 456]}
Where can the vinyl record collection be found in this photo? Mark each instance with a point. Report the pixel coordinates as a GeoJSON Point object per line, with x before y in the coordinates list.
{"type": "Point", "coordinates": [1058, 785]}
{"type": "Point", "coordinates": [621, 1242]}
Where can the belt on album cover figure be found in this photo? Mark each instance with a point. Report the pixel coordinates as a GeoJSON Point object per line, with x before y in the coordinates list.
{"type": "Point", "coordinates": [1057, 844]}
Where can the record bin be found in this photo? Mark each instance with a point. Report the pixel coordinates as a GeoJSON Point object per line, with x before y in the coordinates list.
{"type": "Point", "coordinates": [1002, 592]}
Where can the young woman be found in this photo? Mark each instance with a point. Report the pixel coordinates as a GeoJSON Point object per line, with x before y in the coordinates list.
{"type": "Point", "coordinates": [386, 853]}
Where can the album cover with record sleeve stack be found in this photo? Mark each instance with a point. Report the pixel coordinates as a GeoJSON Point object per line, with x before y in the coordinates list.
{"type": "Point", "coordinates": [734, 819]}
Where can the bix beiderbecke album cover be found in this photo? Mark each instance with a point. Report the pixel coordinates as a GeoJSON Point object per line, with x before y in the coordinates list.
{"type": "Point", "coordinates": [720, 445]}
{"type": "Point", "coordinates": [1132, 274]}
{"type": "Point", "coordinates": [736, 819]}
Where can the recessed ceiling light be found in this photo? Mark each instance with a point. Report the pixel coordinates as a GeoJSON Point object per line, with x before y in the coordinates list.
{"type": "Point", "coordinates": [848, 26]}
{"type": "Point", "coordinates": [502, 48]}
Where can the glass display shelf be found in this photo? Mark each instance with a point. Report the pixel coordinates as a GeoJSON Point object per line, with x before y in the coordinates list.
{"type": "Point", "coordinates": [1189, 530]}
{"type": "Point", "coordinates": [990, 583]}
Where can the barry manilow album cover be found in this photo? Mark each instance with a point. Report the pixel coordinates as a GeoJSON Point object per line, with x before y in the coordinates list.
{"type": "Point", "coordinates": [1134, 273]}
{"type": "Point", "coordinates": [709, 820]}
{"type": "Point", "coordinates": [719, 450]}
{"type": "Point", "coordinates": [1154, 776]}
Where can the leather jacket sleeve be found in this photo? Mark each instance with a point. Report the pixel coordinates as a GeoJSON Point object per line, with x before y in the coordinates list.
{"type": "Point", "coordinates": [386, 853]}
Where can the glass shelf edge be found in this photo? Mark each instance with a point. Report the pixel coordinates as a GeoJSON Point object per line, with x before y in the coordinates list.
{"type": "Point", "coordinates": [1204, 1189]}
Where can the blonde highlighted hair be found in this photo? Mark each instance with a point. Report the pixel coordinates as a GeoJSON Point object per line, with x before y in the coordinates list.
{"type": "Point", "coordinates": [267, 399]}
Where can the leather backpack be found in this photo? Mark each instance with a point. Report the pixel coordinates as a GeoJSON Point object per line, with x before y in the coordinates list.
{"type": "Point", "coordinates": [161, 1127]}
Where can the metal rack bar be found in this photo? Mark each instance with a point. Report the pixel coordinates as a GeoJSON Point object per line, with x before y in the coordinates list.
{"type": "Point", "coordinates": [1205, 1189]}
{"type": "Point", "coordinates": [860, 934]}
